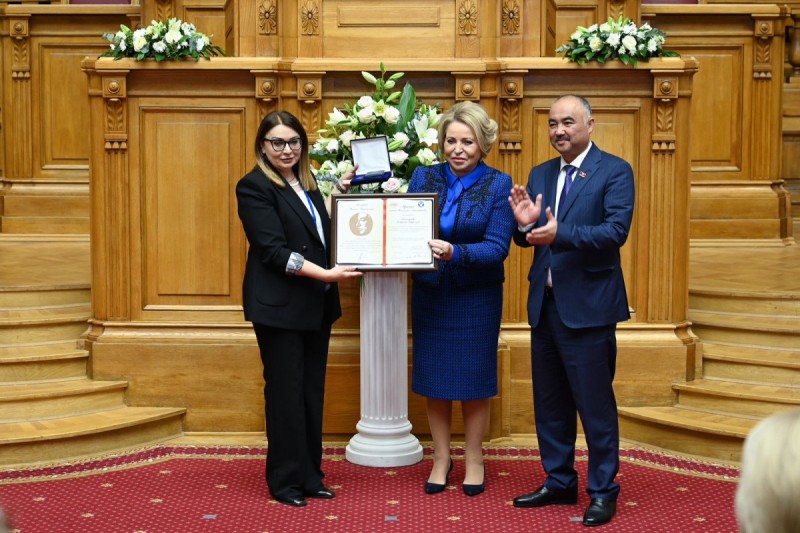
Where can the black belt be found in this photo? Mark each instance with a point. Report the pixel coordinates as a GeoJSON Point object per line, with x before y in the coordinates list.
{"type": "Point", "coordinates": [548, 292]}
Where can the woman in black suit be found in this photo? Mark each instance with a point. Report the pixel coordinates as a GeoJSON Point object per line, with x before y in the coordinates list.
{"type": "Point", "coordinates": [290, 295]}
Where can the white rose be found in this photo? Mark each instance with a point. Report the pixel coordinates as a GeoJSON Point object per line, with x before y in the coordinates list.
{"type": "Point", "coordinates": [596, 44]}
{"type": "Point", "coordinates": [365, 115]}
{"type": "Point", "coordinates": [400, 136]}
{"type": "Point", "coordinates": [605, 27]}
{"type": "Point", "coordinates": [629, 42]}
{"type": "Point", "coordinates": [426, 156]}
{"type": "Point", "coordinates": [346, 137]}
{"type": "Point", "coordinates": [613, 39]}
{"type": "Point", "coordinates": [397, 157]}
{"type": "Point", "coordinates": [139, 43]}
{"type": "Point", "coordinates": [391, 115]}
{"type": "Point", "coordinates": [391, 185]}
{"type": "Point", "coordinates": [365, 101]}
{"type": "Point", "coordinates": [159, 46]}
{"type": "Point", "coordinates": [343, 167]}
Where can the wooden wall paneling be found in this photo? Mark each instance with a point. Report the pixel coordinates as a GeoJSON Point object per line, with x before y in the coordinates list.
{"type": "Point", "coordinates": [790, 168]}
{"type": "Point", "coordinates": [735, 125]}
{"type": "Point", "coordinates": [574, 13]}
{"type": "Point", "coordinates": [45, 112]}
{"type": "Point", "coordinates": [209, 17]}
{"type": "Point", "coordinates": [512, 31]}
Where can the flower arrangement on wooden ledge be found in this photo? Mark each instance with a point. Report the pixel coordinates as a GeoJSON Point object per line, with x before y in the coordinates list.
{"type": "Point", "coordinates": [616, 39]}
{"type": "Point", "coordinates": [173, 39]}
{"type": "Point", "coordinates": [409, 125]}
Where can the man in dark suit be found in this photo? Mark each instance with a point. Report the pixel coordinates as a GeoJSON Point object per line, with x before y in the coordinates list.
{"type": "Point", "coordinates": [576, 298]}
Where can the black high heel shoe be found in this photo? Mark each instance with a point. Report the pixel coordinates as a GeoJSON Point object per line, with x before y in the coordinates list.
{"type": "Point", "coordinates": [434, 488]}
{"type": "Point", "coordinates": [474, 490]}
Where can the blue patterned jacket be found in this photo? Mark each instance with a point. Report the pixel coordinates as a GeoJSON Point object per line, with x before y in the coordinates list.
{"type": "Point", "coordinates": [482, 230]}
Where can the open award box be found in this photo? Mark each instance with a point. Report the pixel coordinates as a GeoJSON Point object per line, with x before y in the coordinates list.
{"type": "Point", "coordinates": [372, 157]}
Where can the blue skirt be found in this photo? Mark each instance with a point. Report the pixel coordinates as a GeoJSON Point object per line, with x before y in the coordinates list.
{"type": "Point", "coordinates": [455, 333]}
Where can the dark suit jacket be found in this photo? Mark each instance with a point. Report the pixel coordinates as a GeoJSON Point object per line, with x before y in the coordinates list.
{"type": "Point", "coordinates": [584, 259]}
{"type": "Point", "coordinates": [277, 223]}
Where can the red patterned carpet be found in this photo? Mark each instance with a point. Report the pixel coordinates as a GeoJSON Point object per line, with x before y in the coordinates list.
{"type": "Point", "coordinates": [189, 489]}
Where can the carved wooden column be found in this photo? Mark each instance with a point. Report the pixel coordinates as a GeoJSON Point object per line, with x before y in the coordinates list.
{"type": "Point", "coordinates": [309, 96]}
{"type": "Point", "coordinates": [266, 94]}
{"type": "Point", "coordinates": [19, 116]}
{"type": "Point", "coordinates": [667, 207]}
{"type": "Point", "coordinates": [510, 148]}
{"type": "Point", "coordinates": [767, 84]}
{"type": "Point", "coordinates": [110, 189]}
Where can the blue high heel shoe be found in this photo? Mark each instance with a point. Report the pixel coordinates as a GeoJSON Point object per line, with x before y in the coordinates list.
{"type": "Point", "coordinates": [474, 490]}
{"type": "Point", "coordinates": [434, 488]}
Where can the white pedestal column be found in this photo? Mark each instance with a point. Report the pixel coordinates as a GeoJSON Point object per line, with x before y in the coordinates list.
{"type": "Point", "coordinates": [384, 433]}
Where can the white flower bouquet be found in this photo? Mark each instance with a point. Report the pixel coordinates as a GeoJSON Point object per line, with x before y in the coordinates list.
{"type": "Point", "coordinates": [173, 39]}
{"type": "Point", "coordinates": [616, 39]}
{"type": "Point", "coordinates": [410, 128]}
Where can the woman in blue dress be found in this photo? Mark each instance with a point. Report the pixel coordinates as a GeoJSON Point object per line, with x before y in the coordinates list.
{"type": "Point", "coordinates": [456, 310]}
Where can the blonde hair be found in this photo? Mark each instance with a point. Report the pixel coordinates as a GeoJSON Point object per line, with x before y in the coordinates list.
{"type": "Point", "coordinates": [475, 117]}
{"type": "Point", "coordinates": [768, 496]}
{"type": "Point", "coordinates": [303, 167]}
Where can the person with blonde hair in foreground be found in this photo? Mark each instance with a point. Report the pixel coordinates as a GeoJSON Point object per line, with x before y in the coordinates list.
{"type": "Point", "coordinates": [768, 496]}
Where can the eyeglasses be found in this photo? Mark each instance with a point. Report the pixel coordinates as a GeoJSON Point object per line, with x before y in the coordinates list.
{"type": "Point", "coordinates": [279, 144]}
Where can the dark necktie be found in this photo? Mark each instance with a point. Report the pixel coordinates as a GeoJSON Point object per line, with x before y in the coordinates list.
{"type": "Point", "coordinates": [567, 185]}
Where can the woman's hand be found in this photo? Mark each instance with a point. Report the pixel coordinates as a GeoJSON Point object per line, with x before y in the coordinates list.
{"type": "Point", "coordinates": [341, 273]}
{"type": "Point", "coordinates": [343, 183]}
{"type": "Point", "coordinates": [441, 249]}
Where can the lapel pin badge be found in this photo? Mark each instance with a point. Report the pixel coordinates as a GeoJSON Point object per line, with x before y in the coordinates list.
{"type": "Point", "coordinates": [582, 174]}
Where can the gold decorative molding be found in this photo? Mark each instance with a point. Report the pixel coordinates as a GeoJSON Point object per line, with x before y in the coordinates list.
{"type": "Point", "coordinates": [468, 17]}
{"type": "Point", "coordinates": [268, 17]}
{"type": "Point", "coordinates": [511, 17]}
{"type": "Point", "coordinates": [309, 18]}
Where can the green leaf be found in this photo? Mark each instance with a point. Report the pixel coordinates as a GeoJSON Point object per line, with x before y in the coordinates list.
{"type": "Point", "coordinates": [407, 106]}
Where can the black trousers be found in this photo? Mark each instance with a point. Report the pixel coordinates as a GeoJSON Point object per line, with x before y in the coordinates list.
{"type": "Point", "coordinates": [294, 375]}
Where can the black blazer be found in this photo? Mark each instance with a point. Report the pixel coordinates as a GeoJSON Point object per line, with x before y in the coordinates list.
{"type": "Point", "coordinates": [277, 223]}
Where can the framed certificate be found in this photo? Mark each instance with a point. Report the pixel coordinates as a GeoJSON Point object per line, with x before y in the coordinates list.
{"type": "Point", "coordinates": [384, 231]}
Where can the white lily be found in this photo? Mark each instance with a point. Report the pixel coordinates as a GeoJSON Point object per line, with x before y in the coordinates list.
{"type": "Point", "coordinates": [426, 135]}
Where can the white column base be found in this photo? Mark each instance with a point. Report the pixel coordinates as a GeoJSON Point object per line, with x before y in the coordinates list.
{"type": "Point", "coordinates": [384, 433]}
